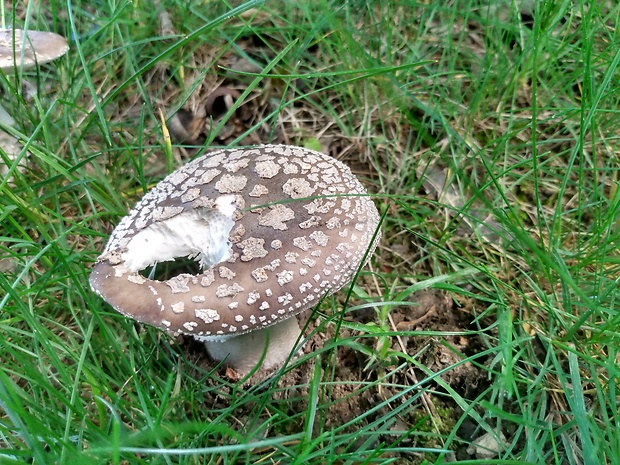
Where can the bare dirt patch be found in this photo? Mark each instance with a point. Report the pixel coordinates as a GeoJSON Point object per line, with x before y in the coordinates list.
{"type": "Point", "coordinates": [350, 389]}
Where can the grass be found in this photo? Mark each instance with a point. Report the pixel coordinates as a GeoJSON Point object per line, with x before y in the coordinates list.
{"type": "Point", "coordinates": [490, 139]}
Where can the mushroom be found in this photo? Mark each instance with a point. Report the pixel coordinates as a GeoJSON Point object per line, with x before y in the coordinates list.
{"type": "Point", "coordinates": [20, 49]}
{"type": "Point", "coordinates": [26, 49]}
{"type": "Point", "coordinates": [276, 228]}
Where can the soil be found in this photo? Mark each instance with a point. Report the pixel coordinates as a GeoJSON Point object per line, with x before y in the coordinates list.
{"type": "Point", "coordinates": [346, 396]}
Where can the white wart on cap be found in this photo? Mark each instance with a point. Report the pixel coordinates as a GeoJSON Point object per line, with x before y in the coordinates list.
{"type": "Point", "coordinates": [35, 47]}
{"type": "Point", "coordinates": [275, 227]}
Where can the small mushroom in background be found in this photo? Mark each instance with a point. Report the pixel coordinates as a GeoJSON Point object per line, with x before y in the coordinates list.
{"type": "Point", "coordinates": [24, 50]}
{"type": "Point", "coordinates": [275, 229]}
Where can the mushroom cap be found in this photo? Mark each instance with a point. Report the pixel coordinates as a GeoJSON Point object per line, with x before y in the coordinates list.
{"type": "Point", "coordinates": [276, 229]}
{"type": "Point", "coordinates": [38, 48]}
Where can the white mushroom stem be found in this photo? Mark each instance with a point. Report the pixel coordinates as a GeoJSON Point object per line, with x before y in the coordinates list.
{"type": "Point", "coordinates": [245, 352]}
{"type": "Point", "coordinates": [11, 147]}
{"type": "Point", "coordinates": [5, 117]}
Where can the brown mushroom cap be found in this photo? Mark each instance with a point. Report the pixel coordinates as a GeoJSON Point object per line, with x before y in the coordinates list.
{"type": "Point", "coordinates": [278, 228]}
{"type": "Point", "coordinates": [37, 47]}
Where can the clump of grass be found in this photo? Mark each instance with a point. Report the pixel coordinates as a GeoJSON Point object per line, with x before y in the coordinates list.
{"type": "Point", "coordinates": [512, 112]}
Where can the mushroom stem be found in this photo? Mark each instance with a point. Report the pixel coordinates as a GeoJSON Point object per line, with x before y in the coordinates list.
{"type": "Point", "coordinates": [5, 118]}
{"type": "Point", "coordinates": [245, 351]}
